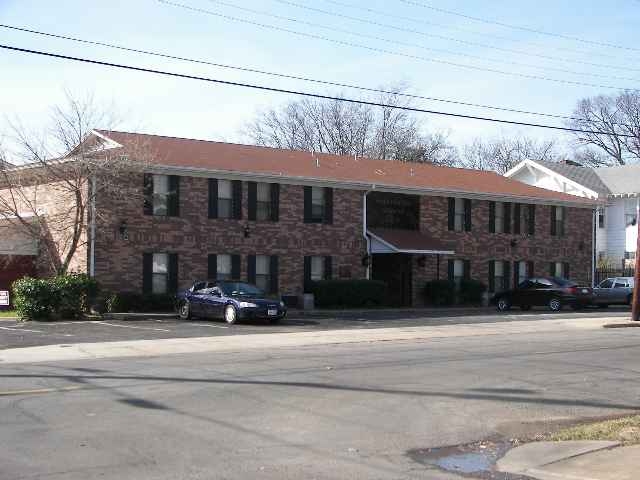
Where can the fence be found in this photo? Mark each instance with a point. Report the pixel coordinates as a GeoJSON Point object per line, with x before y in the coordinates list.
{"type": "Point", "coordinates": [602, 273]}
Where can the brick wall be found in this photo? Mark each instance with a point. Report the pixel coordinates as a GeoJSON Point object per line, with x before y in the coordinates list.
{"type": "Point", "coordinates": [193, 236]}
{"type": "Point", "coordinates": [480, 246]}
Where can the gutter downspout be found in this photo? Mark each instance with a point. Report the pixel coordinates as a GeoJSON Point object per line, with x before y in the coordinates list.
{"type": "Point", "coordinates": [92, 229]}
{"type": "Point", "coordinates": [594, 247]}
{"type": "Point", "coordinates": [364, 234]}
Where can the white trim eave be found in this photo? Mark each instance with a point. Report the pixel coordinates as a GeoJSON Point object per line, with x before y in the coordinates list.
{"type": "Point", "coordinates": [309, 181]}
{"type": "Point", "coordinates": [533, 164]}
{"type": "Point", "coordinates": [110, 142]}
{"type": "Point", "coordinates": [399, 250]}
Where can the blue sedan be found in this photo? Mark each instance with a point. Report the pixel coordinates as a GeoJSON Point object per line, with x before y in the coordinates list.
{"type": "Point", "coordinates": [230, 300]}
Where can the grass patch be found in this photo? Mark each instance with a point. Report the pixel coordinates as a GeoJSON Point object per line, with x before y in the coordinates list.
{"type": "Point", "coordinates": [8, 313]}
{"type": "Point", "coordinates": [625, 430]}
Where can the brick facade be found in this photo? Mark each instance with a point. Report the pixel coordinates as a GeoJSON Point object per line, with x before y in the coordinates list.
{"type": "Point", "coordinates": [193, 236]}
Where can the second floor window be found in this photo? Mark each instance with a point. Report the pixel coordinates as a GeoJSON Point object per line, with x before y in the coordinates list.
{"type": "Point", "coordinates": [460, 214]}
{"type": "Point", "coordinates": [161, 195]}
{"type": "Point", "coordinates": [264, 200]}
{"type": "Point", "coordinates": [225, 198]}
{"type": "Point", "coordinates": [558, 215]}
{"type": "Point", "coordinates": [499, 217]}
{"type": "Point", "coordinates": [318, 205]}
{"type": "Point", "coordinates": [524, 219]}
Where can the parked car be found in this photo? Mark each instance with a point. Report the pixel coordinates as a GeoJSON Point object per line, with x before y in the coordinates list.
{"type": "Point", "coordinates": [229, 300]}
{"type": "Point", "coordinates": [553, 292]}
{"type": "Point", "coordinates": [614, 291]}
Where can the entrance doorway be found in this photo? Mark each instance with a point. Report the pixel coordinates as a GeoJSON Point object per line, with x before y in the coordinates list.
{"type": "Point", "coordinates": [395, 270]}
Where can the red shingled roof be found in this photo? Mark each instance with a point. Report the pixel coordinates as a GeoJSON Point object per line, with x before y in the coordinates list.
{"type": "Point", "coordinates": [295, 164]}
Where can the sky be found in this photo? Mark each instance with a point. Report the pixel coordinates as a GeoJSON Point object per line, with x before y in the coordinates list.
{"type": "Point", "coordinates": [444, 55]}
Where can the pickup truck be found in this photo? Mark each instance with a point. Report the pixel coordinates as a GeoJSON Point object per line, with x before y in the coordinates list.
{"type": "Point", "coordinates": [613, 291]}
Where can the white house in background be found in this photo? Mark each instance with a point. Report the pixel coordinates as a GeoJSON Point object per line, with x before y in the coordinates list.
{"type": "Point", "coordinates": [615, 229]}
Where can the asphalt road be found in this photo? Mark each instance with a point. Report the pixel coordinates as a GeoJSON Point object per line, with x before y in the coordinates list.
{"type": "Point", "coordinates": [14, 334]}
{"type": "Point", "coordinates": [355, 411]}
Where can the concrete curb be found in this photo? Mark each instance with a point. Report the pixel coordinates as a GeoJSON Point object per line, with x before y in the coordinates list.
{"type": "Point", "coordinates": [240, 343]}
{"type": "Point", "coordinates": [622, 325]}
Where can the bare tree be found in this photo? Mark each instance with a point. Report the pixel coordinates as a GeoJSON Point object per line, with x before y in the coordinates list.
{"type": "Point", "coordinates": [46, 196]}
{"type": "Point", "coordinates": [333, 126]}
{"type": "Point", "coordinates": [612, 119]}
{"type": "Point", "coordinates": [502, 154]}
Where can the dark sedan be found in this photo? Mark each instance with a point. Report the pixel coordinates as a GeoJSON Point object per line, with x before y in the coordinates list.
{"type": "Point", "coordinates": [553, 292]}
{"type": "Point", "coordinates": [229, 300]}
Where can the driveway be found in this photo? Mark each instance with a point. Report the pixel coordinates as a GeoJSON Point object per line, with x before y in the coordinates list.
{"type": "Point", "coordinates": [15, 334]}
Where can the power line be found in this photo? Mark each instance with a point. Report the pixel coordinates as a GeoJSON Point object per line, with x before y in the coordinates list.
{"type": "Point", "coordinates": [282, 75]}
{"type": "Point", "coordinates": [387, 14]}
{"type": "Point", "coordinates": [297, 92]}
{"type": "Point", "coordinates": [452, 39]}
{"type": "Point", "coordinates": [518, 27]}
{"type": "Point", "coordinates": [391, 52]}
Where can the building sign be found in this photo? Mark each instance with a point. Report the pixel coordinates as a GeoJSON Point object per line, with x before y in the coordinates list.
{"type": "Point", "coordinates": [4, 298]}
{"type": "Point", "coordinates": [392, 210]}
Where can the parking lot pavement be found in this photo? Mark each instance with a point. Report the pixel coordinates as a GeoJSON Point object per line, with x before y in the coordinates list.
{"type": "Point", "coordinates": [14, 334]}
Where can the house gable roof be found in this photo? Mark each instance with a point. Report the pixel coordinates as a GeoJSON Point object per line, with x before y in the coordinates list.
{"type": "Point", "coordinates": [621, 181]}
{"type": "Point", "coordinates": [208, 158]}
{"type": "Point", "coordinates": [585, 176]}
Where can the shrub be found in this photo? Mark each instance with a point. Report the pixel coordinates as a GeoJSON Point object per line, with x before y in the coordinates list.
{"type": "Point", "coordinates": [64, 296]}
{"type": "Point", "coordinates": [439, 292]}
{"type": "Point", "coordinates": [471, 291]}
{"type": "Point", "coordinates": [34, 298]}
{"type": "Point", "coordinates": [348, 293]}
{"type": "Point", "coordinates": [135, 302]}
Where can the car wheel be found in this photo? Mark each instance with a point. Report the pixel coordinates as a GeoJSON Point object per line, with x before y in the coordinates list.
{"type": "Point", "coordinates": [185, 310]}
{"type": "Point", "coordinates": [555, 305]}
{"type": "Point", "coordinates": [525, 308]}
{"type": "Point", "coordinates": [503, 304]}
{"type": "Point", "coordinates": [230, 314]}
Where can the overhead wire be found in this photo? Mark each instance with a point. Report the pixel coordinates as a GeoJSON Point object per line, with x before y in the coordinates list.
{"type": "Point", "coordinates": [519, 27]}
{"type": "Point", "coordinates": [452, 39]}
{"type": "Point", "coordinates": [293, 92]}
{"type": "Point", "coordinates": [391, 52]}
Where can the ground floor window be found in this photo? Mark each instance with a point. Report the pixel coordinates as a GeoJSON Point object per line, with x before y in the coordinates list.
{"type": "Point", "coordinates": [223, 267]}
{"type": "Point", "coordinates": [522, 271]}
{"type": "Point", "coordinates": [263, 272]}
{"type": "Point", "coordinates": [459, 270]}
{"type": "Point", "coordinates": [559, 269]}
{"type": "Point", "coordinates": [159, 273]}
{"type": "Point", "coordinates": [499, 273]}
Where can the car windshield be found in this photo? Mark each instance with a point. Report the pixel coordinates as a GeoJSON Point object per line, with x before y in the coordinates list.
{"type": "Point", "coordinates": [563, 282]}
{"type": "Point", "coordinates": [240, 289]}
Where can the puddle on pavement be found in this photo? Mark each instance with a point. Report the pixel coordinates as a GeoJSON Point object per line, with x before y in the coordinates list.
{"type": "Point", "coordinates": [476, 459]}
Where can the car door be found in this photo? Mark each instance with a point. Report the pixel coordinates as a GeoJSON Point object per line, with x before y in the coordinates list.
{"type": "Point", "coordinates": [195, 299]}
{"type": "Point", "coordinates": [214, 302]}
{"type": "Point", "coordinates": [544, 291]}
{"type": "Point", "coordinates": [603, 292]}
{"type": "Point", "coordinates": [523, 293]}
{"type": "Point", "coordinates": [620, 291]}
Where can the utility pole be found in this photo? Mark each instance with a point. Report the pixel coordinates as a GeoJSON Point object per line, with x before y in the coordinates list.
{"type": "Point", "coordinates": [635, 304]}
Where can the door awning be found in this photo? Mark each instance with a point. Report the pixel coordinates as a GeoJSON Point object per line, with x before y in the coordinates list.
{"type": "Point", "coordinates": [385, 240]}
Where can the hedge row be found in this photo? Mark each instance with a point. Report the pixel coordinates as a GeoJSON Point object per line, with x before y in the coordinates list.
{"type": "Point", "coordinates": [135, 302]}
{"type": "Point", "coordinates": [444, 292]}
{"type": "Point", "coordinates": [64, 296]}
{"type": "Point", "coordinates": [348, 293]}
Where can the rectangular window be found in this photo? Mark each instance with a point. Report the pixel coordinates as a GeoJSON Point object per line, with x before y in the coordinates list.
{"type": "Point", "coordinates": [317, 204]}
{"type": "Point", "coordinates": [225, 199]}
{"type": "Point", "coordinates": [459, 215]}
{"type": "Point", "coordinates": [458, 272]}
{"type": "Point", "coordinates": [499, 217]}
{"type": "Point", "coordinates": [629, 219]}
{"type": "Point", "coordinates": [263, 201]}
{"type": "Point", "coordinates": [558, 221]}
{"type": "Point", "coordinates": [160, 273]}
{"type": "Point", "coordinates": [600, 219]}
{"type": "Point", "coordinates": [317, 268]}
{"type": "Point", "coordinates": [160, 194]}
{"type": "Point", "coordinates": [499, 278]}
{"type": "Point", "coordinates": [523, 271]}
{"type": "Point", "coordinates": [223, 267]}
{"type": "Point", "coordinates": [263, 272]}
